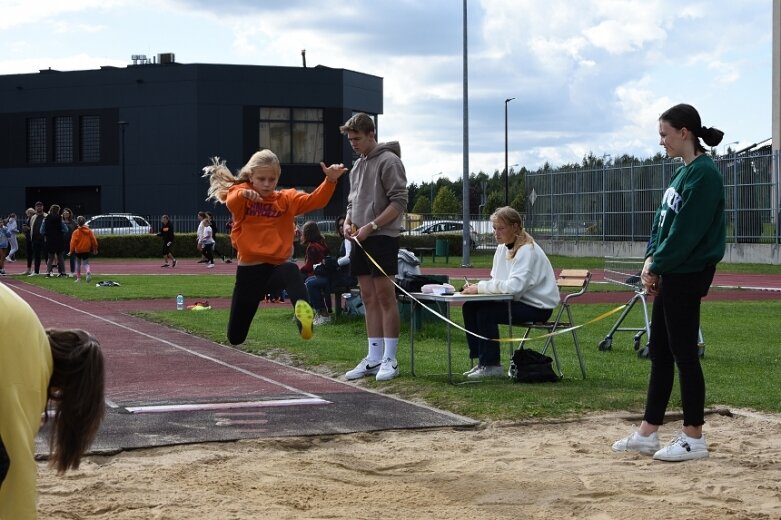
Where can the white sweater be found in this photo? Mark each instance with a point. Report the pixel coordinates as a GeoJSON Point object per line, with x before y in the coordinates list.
{"type": "Point", "coordinates": [529, 276]}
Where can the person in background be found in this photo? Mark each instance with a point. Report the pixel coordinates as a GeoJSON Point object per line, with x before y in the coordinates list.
{"type": "Point", "coordinates": [521, 268]}
{"type": "Point", "coordinates": [263, 233]}
{"type": "Point", "coordinates": [37, 239]}
{"type": "Point", "coordinates": [199, 236]}
{"type": "Point", "coordinates": [213, 225]}
{"type": "Point", "coordinates": [55, 374]}
{"type": "Point", "coordinates": [378, 197]}
{"type": "Point", "coordinates": [28, 242]}
{"type": "Point", "coordinates": [70, 223]}
{"type": "Point", "coordinates": [688, 239]}
{"type": "Point", "coordinates": [167, 234]}
{"type": "Point", "coordinates": [54, 230]}
{"type": "Point", "coordinates": [82, 244]}
{"type": "Point", "coordinates": [315, 248]}
{"type": "Point", "coordinates": [13, 228]}
{"type": "Point", "coordinates": [319, 287]}
{"type": "Point", "coordinates": [206, 242]}
{"type": "Point", "coordinates": [4, 235]}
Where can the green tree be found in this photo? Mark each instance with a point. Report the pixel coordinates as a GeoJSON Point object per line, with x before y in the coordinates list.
{"type": "Point", "coordinates": [422, 205]}
{"type": "Point", "coordinates": [446, 203]}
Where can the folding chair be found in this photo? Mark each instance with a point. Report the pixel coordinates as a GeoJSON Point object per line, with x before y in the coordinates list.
{"type": "Point", "coordinates": [568, 280]}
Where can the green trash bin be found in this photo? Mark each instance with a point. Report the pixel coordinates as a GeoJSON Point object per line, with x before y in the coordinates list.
{"type": "Point", "coordinates": [442, 248]}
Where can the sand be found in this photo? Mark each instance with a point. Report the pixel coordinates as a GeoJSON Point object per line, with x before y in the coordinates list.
{"type": "Point", "coordinates": [499, 470]}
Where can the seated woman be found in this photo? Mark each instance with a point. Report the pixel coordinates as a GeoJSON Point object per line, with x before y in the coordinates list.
{"type": "Point", "coordinates": [319, 287]}
{"type": "Point", "coordinates": [521, 268]}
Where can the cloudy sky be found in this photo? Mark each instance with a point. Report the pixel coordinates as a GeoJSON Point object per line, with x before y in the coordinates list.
{"type": "Point", "coordinates": [586, 75]}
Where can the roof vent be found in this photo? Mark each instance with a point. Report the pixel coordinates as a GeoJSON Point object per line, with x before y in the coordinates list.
{"type": "Point", "coordinates": [165, 58]}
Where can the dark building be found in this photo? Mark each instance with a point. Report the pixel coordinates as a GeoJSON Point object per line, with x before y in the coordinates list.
{"type": "Point", "coordinates": [134, 139]}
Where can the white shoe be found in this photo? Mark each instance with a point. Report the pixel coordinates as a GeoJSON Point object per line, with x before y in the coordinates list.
{"type": "Point", "coordinates": [32, 274]}
{"type": "Point", "coordinates": [210, 266]}
{"type": "Point", "coordinates": [638, 443]}
{"type": "Point", "coordinates": [366, 367]}
{"type": "Point", "coordinates": [683, 447]}
{"type": "Point", "coordinates": [482, 372]}
{"type": "Point", "coordinates": [471, 370]}
{"type": "Point", "coordinates": [388, 369]}
{"type": "Point", "coordinates": [321, 320]}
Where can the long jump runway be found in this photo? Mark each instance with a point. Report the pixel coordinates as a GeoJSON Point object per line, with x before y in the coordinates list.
{"type": "Point", "coordinates": [166, 387]}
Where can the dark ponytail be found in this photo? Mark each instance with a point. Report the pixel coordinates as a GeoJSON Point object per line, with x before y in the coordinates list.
{"type": "Point", "coordinates": [686, 116]}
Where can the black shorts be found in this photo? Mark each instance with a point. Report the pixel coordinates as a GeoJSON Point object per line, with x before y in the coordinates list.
{"type": "Point", "coordinates": [383, 249]}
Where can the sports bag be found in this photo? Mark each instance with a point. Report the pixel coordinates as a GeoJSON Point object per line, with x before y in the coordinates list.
{"type": "Point", "coordinates": [529, 366]}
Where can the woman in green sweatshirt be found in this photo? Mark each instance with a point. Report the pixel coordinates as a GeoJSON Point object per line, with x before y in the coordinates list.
{"type": "Point", "coordinates": [687, 241]}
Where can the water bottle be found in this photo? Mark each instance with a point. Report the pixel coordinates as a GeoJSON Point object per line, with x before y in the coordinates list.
{"type": "Point", "coordinates": [179, 302]}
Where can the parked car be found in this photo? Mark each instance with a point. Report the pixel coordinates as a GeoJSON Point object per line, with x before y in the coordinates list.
{"type": "Point", "coordinates": [444, 227]}
{"type": "Point", "coordinates": [119, 224]}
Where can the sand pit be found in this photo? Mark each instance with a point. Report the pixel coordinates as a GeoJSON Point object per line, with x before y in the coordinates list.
{"type": "Point", "coordinates": [553, 470]}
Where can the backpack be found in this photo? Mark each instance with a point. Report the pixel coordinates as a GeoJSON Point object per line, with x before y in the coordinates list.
{"type": "Point", "coordinates": [408, 264]}
{"type": "Point", "coordinates": [529, 366]}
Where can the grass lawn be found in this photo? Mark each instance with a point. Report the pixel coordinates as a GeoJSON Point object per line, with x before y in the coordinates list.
{"type": "Point", "coordinates": [742, 363]}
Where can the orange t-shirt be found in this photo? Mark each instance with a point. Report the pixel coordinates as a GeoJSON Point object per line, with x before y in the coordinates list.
{"type": "Point", "coordinates": [263, 231]}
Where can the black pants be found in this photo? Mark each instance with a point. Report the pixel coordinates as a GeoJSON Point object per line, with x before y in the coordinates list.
{"type": "Point", "coordinates": [39, 252]}
{"type": "Point", "coordinates": [675, 324]}
{"type": "Point", "coordinates": [484, 318]}
{"type": "Point", "coordinates": [253, 282]}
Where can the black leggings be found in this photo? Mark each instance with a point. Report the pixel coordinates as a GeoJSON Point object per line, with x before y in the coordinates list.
{"type": "Point", "coordinates": [675, 324]}
{"type": "Point", "coordinates": [253, 282]}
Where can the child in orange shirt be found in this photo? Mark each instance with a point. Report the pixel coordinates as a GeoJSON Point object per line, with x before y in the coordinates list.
{"type": "Point", "coordinates": [262, 233]}
{"type": "Point", "coordinates": [83, 243]}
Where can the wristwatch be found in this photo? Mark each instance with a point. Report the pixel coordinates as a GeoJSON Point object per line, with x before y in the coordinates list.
{"type": "Point", "coordinates": [374, 225]}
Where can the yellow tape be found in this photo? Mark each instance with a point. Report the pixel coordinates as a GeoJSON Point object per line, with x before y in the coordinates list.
{"type": "Point", "coordinates": [498, 340]}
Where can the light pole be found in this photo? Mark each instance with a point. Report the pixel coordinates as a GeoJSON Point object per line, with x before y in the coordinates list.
{"type": "Point", "coordinates": [122, 126]}
{"type": "Point", "coordinates": [506, 173]}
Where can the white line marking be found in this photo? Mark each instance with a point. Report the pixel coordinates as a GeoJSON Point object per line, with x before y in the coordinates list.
{"type": "Point", "coordinates": [174, 345]}
{"type": "Point", "coordinates": [224, 406]}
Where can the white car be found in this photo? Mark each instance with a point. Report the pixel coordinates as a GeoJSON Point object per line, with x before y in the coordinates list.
{"type": "Point", "coordinates": [119, 224]}
{"type": "Point", "coordinates": [444, 227]}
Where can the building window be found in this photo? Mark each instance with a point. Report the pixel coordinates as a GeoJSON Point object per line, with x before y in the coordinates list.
{"type": "Point", "coordinates": [294, 135]}
{"type": "Point", "coordinates": [36, 140]}
{"type": "Point", "coordinates": [63, 139]}
{"type": "Point", "coordinates": [90, 138]}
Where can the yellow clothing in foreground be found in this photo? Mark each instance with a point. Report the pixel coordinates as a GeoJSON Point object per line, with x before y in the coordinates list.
{"type": "Point", "coordinates": [25, 370]}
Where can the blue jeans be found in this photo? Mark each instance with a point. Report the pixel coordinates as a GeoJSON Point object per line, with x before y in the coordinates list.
{"type": "Point", "coordinates": [318, 289]}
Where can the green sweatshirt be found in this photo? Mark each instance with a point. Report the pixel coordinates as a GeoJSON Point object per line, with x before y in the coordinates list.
{"type": "Point", "coordinates": [689, 228]}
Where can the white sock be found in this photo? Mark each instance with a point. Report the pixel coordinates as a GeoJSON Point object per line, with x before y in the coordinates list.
{"type": "Point", "coordinates": [391, 346]}
{"type": "Point", "coordinates": [375, 349]}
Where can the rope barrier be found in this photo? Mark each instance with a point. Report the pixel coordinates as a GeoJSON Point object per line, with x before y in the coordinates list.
{"type": "Point", "coordinates": [459, 327]}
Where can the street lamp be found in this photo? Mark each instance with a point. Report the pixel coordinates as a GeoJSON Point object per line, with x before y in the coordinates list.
{"type": "Point", "coordinates": [506, 173]}
{"type": "Point", "coordinates": [122, 126]}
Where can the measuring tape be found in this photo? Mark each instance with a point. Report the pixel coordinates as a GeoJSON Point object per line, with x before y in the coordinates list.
{"type": "Point", "coordinates": [474, 334]}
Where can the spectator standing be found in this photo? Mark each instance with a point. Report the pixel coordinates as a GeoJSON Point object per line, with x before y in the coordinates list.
{"type": "Point", "coordinates": [70, 224]}
{"type": "Point", "coordinates": [37, 238]}
{"type": "Point", "coordinates": [4, 235]}
{"type": "Point", "coordinates": [315, 248]}
{"type": "Point", "coordinates": [13, 228]}
{"type": "Point", "coordinates": [28, 242]}
{"type": "Point", "coordinates": [206, 242]}
{"type": "Point", "coordinates": [214, 236]}
{"type": "Point", "coordinates": [378, 197]}
{"type": "Point", "coordinates": [167, 234]}
{"type": "Point", "coordinates": [53, 230]}
{"type": "Point", "coordinates": [688, 239]}
{"type": "Point", "coordinates": [82, 244]}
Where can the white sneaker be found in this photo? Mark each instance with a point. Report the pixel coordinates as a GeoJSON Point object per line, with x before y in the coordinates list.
{"type": "Point", "coordinates": [366, 367]}
{"type": "Point", "coordinates": [209, 266]}
{"type": "Point", "coordinates": [32, 274]}
{"type": "Point", "coordinates": [683, 447]}
{"type": "Point", "coordinates": [388, 369]}
{"type": "Point", "coordinates": [481, 372]}
{"type": "Point", "coordinates": [638, 443]}
{"type": "Point", "coordinates": [471, 370]}
{"type": "Point", "coordinates": [321, 320]}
